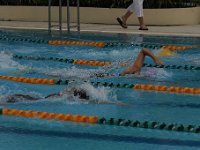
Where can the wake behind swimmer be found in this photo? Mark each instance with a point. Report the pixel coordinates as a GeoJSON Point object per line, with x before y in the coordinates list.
{"type": "Point", "coordinates": [83, 93]}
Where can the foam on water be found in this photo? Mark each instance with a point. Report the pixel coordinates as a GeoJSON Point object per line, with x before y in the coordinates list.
{"type": "Point", "coordinates": [67, 73]}
{"type": "Point", "coordinates": [25, 50]}
{"type": "Point", "coordinates": [99, 93]}
{"type": "Point", "coordinates": [125, 53]}
{"type": "Point", "coordinates": [103, 54]}
{"type": "Point", "coordinates": [94, 93]}
{"type": "Point", "coordinates": [3, 89]}
{"type": "Point", "coordinates": [194, 59]}
{"type": "Point", "coordinates": [6, 61]}
{"type": "Point", "coordinates": [158, 73]}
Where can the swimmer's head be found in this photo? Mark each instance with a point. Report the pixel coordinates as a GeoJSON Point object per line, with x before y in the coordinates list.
{"type": "Point", "coordinates": [81, 94]}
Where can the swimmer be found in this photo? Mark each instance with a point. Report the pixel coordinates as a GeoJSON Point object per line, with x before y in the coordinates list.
{"type": "Point", "coordinates": [72, 93]}
{"type": "Point", "coordinates": [134, 69]}
{"type": "Point", "coordinates": [137, 65]}
{"type": "Point", "coordinates": [19, 98]}
{"type": "Point", "coordinates": [82, 95]}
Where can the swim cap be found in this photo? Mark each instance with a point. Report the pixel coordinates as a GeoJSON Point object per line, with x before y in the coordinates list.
{"type": "Point", "coordinates": [81, 94]}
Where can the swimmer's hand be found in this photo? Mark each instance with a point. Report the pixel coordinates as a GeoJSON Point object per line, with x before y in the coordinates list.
{"type": "Point", "coordinates": [26, 69]}
{"type": "Point", "coordinates": [101, 75]}
{"type": "Point", "coordinates": [121, 104]}
{"type": "Point", "coordinates": [52, 95]}
{"type": "Point", "coordinates": [110, 102]}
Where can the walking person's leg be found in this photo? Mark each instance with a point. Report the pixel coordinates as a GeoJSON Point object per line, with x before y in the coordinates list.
{"type": "Point", "coordinates": [124, 18]}
{"type": "Point", "coordinates": [137, 7]}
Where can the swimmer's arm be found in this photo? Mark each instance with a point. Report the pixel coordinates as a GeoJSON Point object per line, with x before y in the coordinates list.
{"type": "Point", "coordinates": [52, 95]}
{"type": "Point", "coordinates": [115, 103]}
{"type": "Point", "coordinates": [147, 78]}
{"type": "Point", "coordinates": [107, 102]}
{"type": "Point", "coordinates": [101, 75]}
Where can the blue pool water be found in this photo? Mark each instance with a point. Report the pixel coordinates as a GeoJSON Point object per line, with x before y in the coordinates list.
{"type": "Point", "coordinates": [30, 134]}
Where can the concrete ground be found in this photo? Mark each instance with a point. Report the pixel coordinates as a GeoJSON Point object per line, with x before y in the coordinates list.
{"type": "Point", "coordinates": [183, 30]}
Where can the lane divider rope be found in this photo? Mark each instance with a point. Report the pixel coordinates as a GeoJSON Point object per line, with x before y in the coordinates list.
{"type": "Point", "coordinates": [82, 43]}
{"type": "Point", "coordinates": [102, 63]}
{"type": "Point", "coordinates": [177, 48]}
{"type": "Point", "coordinates": [101, 120]}
{"type": "Point", "coordinates": [29, 80]}
{"type": "Point", "coordinates": [147, 87]}
{"type": "Point", "coordinates": [95, 43]}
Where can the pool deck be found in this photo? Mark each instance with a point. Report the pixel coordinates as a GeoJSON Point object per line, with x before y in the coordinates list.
{"type": "Point", "coordinates": [183, 30]}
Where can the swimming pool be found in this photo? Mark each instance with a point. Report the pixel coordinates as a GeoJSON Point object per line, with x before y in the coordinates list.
{"type": "Point", "coordinates": [143, 105]}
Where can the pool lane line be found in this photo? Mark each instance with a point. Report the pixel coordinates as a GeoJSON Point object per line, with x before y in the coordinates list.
{"type": "Point", "coordinates": [54, 42]}
{"type": "Point", "coordinates": [29, 80]}
{"type": "Point", "coordinates": [80, 43]}
{"type": "Point", "coordinates": [147, 87]}
{"type": "Point", "coordinates": [102, 63]}
{"type": "Point", "coordinates": [177, 48]}
{"type": "Point", "coordinates": [96, 43]}
{"type": "Point", "coordinates": [99, 137]}
{"type": "Point", "coordinates": [100, 120]}
{"type": "Point", "coordinates": [65, 60]}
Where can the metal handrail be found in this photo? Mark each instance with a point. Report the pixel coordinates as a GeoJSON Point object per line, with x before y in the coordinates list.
{"type": "Point", "coordinates": [78, 16]}
{"type": "Point", "coordinates": [49, 16]}
{"type": "Point", "coordinates": [68, 17]}
{"type": "Point", "coordinates": [60, 16]}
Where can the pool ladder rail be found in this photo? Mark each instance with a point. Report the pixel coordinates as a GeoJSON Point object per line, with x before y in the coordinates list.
{"type": "Point", "coordinates": [60, 16]}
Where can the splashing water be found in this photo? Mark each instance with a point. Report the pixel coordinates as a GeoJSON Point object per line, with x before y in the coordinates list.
{"type": "Point", "coordinates": [71, 73]}
{"type": "Point", "coordinates": [98, 93]}
{"type": "Point", "coordinates": [94, 93]}
{"type": "Point", "coordinates": [6, 61]}
{"type": "Point", "coordinates": [157, 73]}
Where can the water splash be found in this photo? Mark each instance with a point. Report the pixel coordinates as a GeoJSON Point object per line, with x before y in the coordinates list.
{"type": "Point", "coordinates": [98, 93]}
{"type": "Point", "coordinates": [94, 93]}
{"type": "Point", "coordinates": [7, 62]}
{"type": "Point", "coordinates": [157, 73]}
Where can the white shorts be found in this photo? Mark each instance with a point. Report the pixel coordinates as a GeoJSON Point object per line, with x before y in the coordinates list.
{"type": "Point", "coordinates": [137, 7]}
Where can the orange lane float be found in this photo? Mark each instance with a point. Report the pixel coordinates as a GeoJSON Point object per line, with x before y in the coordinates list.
{"type": "Point", "coordinates": [174, 89]}
{"type": "Point", "coordinates": [82, 43]}
{"type": "Point", "coordinates": [51, 116]}
{"type": "Point", "coordinates": [174, 48]}
{"type": "Point", "coordinates": [167, 88]}
{"type": "Point", "coordinates": [91, 62]}
{"type": "Point", "coordinates": [29, 80]}
{"type": "Point", "coordinates": [190, 128]}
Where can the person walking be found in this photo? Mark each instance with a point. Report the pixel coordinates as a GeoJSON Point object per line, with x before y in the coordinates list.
{"type": "Point", "coordinates": [137, 7]}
